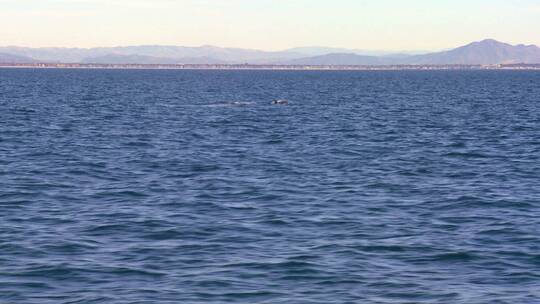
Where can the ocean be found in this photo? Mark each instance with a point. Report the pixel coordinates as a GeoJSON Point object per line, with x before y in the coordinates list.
{"type": "Point", "coordinates": [171, 186]}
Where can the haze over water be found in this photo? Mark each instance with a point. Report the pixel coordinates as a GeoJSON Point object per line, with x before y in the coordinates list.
{"type": "Point", "coordinates": [125, 186]}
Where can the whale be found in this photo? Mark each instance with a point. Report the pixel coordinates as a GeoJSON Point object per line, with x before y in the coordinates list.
{"type": "Point", "coordinates": [280, 102]}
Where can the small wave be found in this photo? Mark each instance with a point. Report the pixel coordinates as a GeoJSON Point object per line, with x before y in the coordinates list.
{"type": "Point", "coordinates": [466, 155]}
{"type": "Point", "coordinates": [232, 104]}
{"type": "Point", "coordinates": [450, 257]}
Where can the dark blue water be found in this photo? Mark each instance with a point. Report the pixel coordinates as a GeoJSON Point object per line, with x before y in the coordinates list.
{"type": "Point", "coordinates": [190, 187]}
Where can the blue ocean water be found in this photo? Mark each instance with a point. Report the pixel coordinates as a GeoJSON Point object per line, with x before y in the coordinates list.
{"type": "Point", "coordinates": [141, 186]}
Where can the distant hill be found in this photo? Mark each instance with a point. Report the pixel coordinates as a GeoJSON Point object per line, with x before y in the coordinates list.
{"type": "Point", "coordinates": [138, 59]}
{"type": "Point", "coordinates": [319, 51]}
{"type": "Point", "coordinates": [483, 52]}
{"type": "Point", "coordinates": [149, 53]}
{"type": "Point", "coordinates": [10, 58]}
{"type": "Point", "coordinates": [341, 59]}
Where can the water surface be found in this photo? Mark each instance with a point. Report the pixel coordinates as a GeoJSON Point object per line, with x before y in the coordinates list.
{"type": "Point", "coordinates": [121, 186]}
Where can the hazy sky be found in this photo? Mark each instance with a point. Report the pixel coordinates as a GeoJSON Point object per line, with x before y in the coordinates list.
{"type": "Point", "coordinates": [269, 24]}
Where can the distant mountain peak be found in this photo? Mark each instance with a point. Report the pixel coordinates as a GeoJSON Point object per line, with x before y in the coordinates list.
{"type": "Point", "coordinates": [488, 43]}
{"type": "Point", "coordinates": [491, 40]}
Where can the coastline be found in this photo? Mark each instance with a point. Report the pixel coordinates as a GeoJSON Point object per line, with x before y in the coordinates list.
{"type": "Point", "coordinates": [271, 67]}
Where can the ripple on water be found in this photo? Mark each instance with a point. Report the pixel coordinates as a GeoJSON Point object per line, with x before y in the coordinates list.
{"type": "Point", "coordinates": [190, 187]}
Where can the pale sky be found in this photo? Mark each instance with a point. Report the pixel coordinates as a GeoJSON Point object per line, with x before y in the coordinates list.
{"type": "Point", "coordinates": [269, 24]}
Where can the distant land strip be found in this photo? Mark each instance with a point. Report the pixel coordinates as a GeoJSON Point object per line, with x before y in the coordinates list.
{"type": "Point", "coordinates": [272, 67]}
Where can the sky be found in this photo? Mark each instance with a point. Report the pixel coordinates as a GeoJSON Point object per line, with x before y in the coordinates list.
{"type": "Point", "coordinates": [393, 25]}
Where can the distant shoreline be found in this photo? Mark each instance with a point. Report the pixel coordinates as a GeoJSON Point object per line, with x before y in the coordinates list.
{"type": "Point", "coordinates": [271, 67]}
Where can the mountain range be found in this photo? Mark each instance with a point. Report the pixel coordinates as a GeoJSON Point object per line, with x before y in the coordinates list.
{"type": "Point", "coordinates": [487, 51]}
{"type": "Point", "coordinates": [10, 58]}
